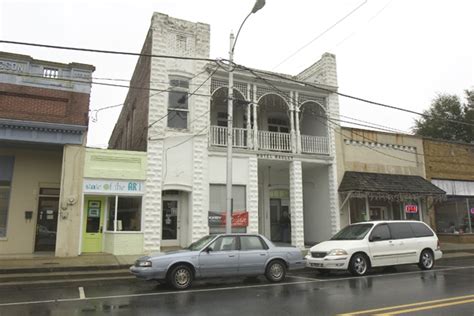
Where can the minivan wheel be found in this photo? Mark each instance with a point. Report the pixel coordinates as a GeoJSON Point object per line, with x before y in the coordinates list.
{"type": "Point", "coordinates": [358, 265]}
{"type": "Point", "coordinates": [276, 271]}
{"type": "Point", "coordinates": [426, 260]}
{"type": "Point", "coordinates": [180, 277]}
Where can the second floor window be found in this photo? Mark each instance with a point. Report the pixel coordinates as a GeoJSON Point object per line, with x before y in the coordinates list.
{"type": "Point", "coordinates": [178, 103]}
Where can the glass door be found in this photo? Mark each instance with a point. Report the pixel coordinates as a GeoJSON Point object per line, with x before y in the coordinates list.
{"type": "Point", "coordinates": [47, 224]}
{"type": "Point", "coordinates": [93, 224]}
{"type": "Point", "coordinates": [280, 225]}
{"type": "Point", "coordinates": [170, 223]}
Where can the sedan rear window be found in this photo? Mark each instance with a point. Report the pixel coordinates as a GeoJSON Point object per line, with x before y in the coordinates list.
{"type": "Point", "coordinates": [353, 232]}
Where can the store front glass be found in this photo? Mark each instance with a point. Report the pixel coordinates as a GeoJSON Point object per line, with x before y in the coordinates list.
{"type": "Point", "coordinates": [455, 215]}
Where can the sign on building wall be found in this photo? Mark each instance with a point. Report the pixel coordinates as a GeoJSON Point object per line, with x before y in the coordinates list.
{"type": "Point", "coordinates": [114, 186]}
{"type": "Point", "coordinates": [472, 211]}
{"type": "Point", "coordinates": [239, 219]}
{"type": "Point", "coordinates": [411, 208]}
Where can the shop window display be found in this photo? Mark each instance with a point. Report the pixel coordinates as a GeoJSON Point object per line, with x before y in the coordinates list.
{"type": "Point", "coordinates": [124, 215]}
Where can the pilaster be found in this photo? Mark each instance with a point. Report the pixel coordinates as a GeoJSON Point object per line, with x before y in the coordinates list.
{"type": "Point", "coordinates": [296, 204]}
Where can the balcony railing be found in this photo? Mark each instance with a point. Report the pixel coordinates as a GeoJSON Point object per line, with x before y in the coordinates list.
{"type": "Point", "coordinates": [274, 141]}
{"type": "Point", "coordinates": [314, 144]}
{"type": "Point", "coordinates": [218, 137]}
{"type": "Point", "coordinates": [270, 141]}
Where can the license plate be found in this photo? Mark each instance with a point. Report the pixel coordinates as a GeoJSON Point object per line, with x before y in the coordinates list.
{"type": "Point", "coordinates": [316, 265]}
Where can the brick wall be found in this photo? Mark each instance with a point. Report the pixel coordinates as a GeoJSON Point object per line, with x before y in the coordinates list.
{"type": "Point", "coordinates": [448, 160]}
{"type": "Point", "coordinates": [28, 103]}
{"type": "Point", "coordinates": [131, 129]}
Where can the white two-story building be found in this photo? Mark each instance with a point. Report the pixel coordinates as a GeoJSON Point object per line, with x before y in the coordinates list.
{"type": "Point", "coordinates": [284, 165]}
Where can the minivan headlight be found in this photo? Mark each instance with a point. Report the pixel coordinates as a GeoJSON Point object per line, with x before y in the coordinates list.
{"type": "Point", "coordinates": [337, 252]}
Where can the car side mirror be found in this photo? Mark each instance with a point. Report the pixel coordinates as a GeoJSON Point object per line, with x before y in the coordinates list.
{"type": "Point", "coordinates": [208, 249]}
{"type": "Point", "coordinates": [375, 238]}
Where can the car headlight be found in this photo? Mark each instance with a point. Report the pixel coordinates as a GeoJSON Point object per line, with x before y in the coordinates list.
{"type": "Point", "coordinates": [337, 252]}
{"type": "Point", "coordinates": [143, 264]}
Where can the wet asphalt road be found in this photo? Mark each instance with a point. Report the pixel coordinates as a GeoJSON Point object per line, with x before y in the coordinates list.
{"type": "Point", "coordinates": [448, 289]}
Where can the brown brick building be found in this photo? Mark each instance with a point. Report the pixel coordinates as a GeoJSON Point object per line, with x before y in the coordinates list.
{"type": "Point", "coordinates": [44, 109]}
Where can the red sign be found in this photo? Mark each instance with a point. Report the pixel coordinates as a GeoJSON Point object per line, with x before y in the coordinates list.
{"type": "Point", "coordinates": [411, 208]}
{"type": "Point", "coordinates": [239, 219]}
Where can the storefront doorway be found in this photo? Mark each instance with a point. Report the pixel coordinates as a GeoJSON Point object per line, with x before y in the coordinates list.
{"type": "Point", "coordinates": [93, 225]}
{"type": "Point", "coordinates": [280, 225]}
{"type": "Point", "coordinates": [170, 231]}
{"type": "Point", "coordinates": [47, 222]}
{"type": "Point", "coordinates": [378, 213]}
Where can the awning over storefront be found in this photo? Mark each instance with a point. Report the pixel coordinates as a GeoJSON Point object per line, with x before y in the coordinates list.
{"type": "Point", "coordinates": [454, 187]}
{"type": "Point", "coordinates": [394, 187]}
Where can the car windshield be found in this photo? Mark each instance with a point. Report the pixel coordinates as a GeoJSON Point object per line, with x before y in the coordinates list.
{"type": "Point", "coordinates": [198, 244]}
{"type": "Point", "coordinates": [353, 232]}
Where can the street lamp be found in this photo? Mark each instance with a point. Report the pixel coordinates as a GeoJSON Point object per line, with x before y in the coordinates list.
{"type": "Point", "coordinates": [230, 108]}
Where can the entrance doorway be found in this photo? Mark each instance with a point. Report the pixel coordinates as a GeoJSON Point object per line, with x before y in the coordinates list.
{"type": "Point", "coordinates": [93, 224]}
{"type": "Point", "coordinates": [280, 224]}
{"type": "Point", "coordinates": [47, 223]}
{"type": "Point", "coordinates": [377, 213]}
{"type": "Point", "coordinates": [170, 223]}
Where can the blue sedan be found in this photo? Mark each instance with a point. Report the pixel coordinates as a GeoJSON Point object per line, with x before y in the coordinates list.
{"type": "Point", "coordinates": [220, 256]}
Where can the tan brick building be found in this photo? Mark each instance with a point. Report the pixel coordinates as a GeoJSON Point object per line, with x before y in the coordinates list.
{"type": "Point", "coordinates": [450, 166]}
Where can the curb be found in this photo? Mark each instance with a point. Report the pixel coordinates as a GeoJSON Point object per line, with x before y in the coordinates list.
{"type": "Point", "coordinates": [4, 271]}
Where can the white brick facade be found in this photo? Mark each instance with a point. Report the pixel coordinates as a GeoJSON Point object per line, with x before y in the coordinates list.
{"type": "Point", "coordinates": [296, 204]}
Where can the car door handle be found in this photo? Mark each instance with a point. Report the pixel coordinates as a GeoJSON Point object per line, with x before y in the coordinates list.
{"type": "Point", "coordinates": [231, 256]}
{"type": "Point", "coordinates": [263, 254]}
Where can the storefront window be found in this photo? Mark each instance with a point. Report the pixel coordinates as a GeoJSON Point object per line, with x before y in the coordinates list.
{"type": "Point", "coordinates": [6, 172]}
{"type": "Point", "coordinates": [124, 213]}
{"type": "Point", "coordinates": [218, 206]}
{"type": "Point", "coordinates": [455, 216]}
{"type": "Point", "coordinates": [358, 210]}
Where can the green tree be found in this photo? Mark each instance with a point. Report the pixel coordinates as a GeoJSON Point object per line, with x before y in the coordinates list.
{"type": "Point", "coordinates": [438, 119]}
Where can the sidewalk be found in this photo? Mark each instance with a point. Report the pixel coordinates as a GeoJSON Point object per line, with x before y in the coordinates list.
{"type": "Point", "coordinates": [85, 262]}
{"type": "Point", "coordinates": [39, 263]}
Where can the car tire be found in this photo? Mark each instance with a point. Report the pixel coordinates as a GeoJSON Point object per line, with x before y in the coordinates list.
{"type": "Point", "coordinates": [276, 271]}
{"type": "Point", "coordinates": [426, 260]}
{"type": "Point", "coordinates": [181, 277]}
{"type": "Point", "coordinates": [324, 271]}
{"type": "Point", "coordinates": [359, 264]}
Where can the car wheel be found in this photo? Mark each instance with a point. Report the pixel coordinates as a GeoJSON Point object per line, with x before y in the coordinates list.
{"type": "Point", "coordinates": [358, 265]}
{"type": "Point", "coordinates": [426, 260]}
{"type": "Point", "coordinates": [276, 271]}
{"type": "Point", "coordinates": [324, 271]}
{"type": "Point", "coordinates": [180, 277]}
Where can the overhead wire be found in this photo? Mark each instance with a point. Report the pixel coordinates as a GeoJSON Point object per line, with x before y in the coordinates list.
{"type": "Point", "coordinates": [321, 34]}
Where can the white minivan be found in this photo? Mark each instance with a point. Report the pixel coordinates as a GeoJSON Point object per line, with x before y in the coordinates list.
{"type": "Point", "coordinates": [361, 246]}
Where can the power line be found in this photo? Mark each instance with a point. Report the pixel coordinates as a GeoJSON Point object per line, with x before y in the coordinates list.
{"type": "Point", "coordinates": [91, 82]}
{"type": "Point", "coordinates": [105, 51]}
{"type": "Point", "coordinates": [322, 33]}
{"type": "Point", "coordinates": [254, 71]}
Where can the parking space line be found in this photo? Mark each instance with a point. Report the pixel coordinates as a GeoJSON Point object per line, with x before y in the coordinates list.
{"type": "Point", "coordinates": [82, 295]}
{"type": "Point", "coordinates": [303, 278]}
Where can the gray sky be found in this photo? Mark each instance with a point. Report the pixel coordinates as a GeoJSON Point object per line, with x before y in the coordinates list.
{"type": "Point", "coordinates": [399, 52]}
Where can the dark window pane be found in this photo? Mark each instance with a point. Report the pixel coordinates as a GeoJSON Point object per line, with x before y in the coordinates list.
{"type": "Point", "coordinates": [181, 83]}
{"type": "Point", "coordinates": [420, 230]}
{"type": "Point", "coordinates": [177, 119]}
{"type": "Point", "coordinates": [401, 230]}
{"type": "Point", "coordinates": [251, 243]}
{"type": "Point", "coordinates": [49, 191]}
{"type": "Point", "coordinates": [178, 100]}
{"type": "Point", "coordinates": [129, 213]}
{"type": "Point", "coordinates": [382, 232]}
{"type": "Point", "coordinates": [6, 175]}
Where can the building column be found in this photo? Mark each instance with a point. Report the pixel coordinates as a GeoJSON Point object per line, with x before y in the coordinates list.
{"type": "Point", "coordinates": [255, 126]}
{"type": "Point", "coordinates": [249, 137]}
{"type": "Point", "coordinates": [292, 124]}
{"type": "Point", "coordinates": [252, 196]}
{"type": "Point", "coordinates": [296, 204]}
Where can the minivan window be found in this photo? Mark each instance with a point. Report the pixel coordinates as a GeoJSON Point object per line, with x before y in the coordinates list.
{"type": "Point", "coordinates": [421, 230]}
{"type": "Point", "coordinates": [401, 230]}
{"type": "Point", "coordinates": [381, 232]}
{"type": "Point", "coordinates": [353, 232]}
